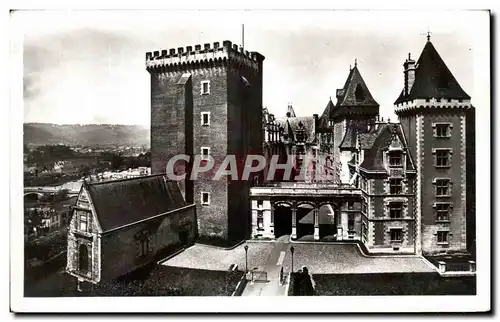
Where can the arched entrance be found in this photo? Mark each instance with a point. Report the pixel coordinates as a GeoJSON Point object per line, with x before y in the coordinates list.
{"type": "Point", "coordinates": [83, 258]}
{"type": "Point", "coordinates": [305, 219]}
{"type": "Point", "coordinates": [327, 222]}
{"type": "Point", "coordinates": [282, 219]}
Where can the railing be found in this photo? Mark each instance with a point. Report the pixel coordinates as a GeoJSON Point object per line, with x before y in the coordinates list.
{"type": "Point", "coordinates": [305, 185]}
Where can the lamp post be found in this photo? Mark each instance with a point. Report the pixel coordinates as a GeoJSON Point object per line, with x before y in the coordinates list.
{"type": "Point", "coordinates": [246, 258]}
{"type": "Point", "coordinates": [292, 250]}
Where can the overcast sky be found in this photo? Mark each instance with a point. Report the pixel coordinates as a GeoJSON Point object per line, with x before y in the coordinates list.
{"type": "Point", "coordinates": [88, 67]}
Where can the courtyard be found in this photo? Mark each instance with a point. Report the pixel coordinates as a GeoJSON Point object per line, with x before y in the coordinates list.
{"type": "Point", "coordinates": [324, 258]}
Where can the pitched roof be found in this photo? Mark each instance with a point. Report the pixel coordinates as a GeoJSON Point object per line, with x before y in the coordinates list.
{"type": "Point", "coordinates": [355, 92]}
{"type": "Point", "coordinates": [290, 112]}
{"type": "Point", "coordinates": [373, 157]}
{"type": "Point", "coordinates": [122, 202]}
{"type": "Point", "coordinates": [308, 125]}
{"type": "Point", "coordinates": [433, 79]}
{"type": "Point", "coordinates": [325, 117]}
{"type": "Point", "coordinates": [349, 140]}
{"type": "Point", "coordinates": [366, 140]}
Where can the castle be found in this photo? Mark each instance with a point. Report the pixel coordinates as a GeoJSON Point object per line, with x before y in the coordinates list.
{"type": "Point", "coordinates": [396, 187]}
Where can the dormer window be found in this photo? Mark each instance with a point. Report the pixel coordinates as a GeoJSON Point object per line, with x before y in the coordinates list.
{"type": "Point", "coordinates": [395, 158]}
{"type": "Point", "coordinates": [360, 95]}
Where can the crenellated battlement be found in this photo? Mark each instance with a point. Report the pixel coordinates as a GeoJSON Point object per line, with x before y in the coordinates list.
{"type": "Point", "coordinates": [209, 53]}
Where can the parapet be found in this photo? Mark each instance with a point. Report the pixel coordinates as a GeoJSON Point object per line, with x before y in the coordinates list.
{"type": "Point", "coordinates": [208, 53]}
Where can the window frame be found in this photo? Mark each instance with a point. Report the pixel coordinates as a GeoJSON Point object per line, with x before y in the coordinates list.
{"type": "Point", "coordinates": [437, 156]}
{"type": "Point", "coordinates": [202, 90]}
{"type": "Point", "coordinates": [443, 233]}
{"type": "Point", "coordinates": [203, 156]}
{"type": "Point", "coordinates": [202, 194]}
{"type": "Point", "coordinates": [392, 206]}
{"type": "Point", "coordinates": [400, 230]}
{"type": "Point", "coordinates": [443, 215]}
{"type": "Point", "coordinates": [400, 191]}
{"type": "Point", "coordinates": [438, 187]}
{"type": "Point", "coordinates": [436, 126]}
{"type": "Point", "coordinates": [395, 155]}
{"type": "Point", "coordinates": [203, 123]}
{"type": "Point", "coordinates": [86, 221]}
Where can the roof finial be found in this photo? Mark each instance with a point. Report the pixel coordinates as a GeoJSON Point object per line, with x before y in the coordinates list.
{"type": "Point", "coordinates": [355, 62]}
{"type": "Point", "coordinates": [428, 35]}
{"type": "Point", "coordinates": [330, 97]}
{"type": "Point", "coordinates": [350, 67]}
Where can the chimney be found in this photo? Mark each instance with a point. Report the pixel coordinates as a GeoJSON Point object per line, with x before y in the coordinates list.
{"type": "Point", "coordinates": [409, 72]}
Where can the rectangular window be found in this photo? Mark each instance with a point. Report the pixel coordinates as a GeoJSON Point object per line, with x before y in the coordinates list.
{"type": "Point", "coordinates": [442, 158]}
{"type": "Point", "coordinates": [443, 130]}
{"type": "Point", "coordinates": [442, 212]}
{"type": "Point", "coordinates": [396, 186]}
{"type": "Point", "coordinates": [443, 188]}
{"type": "Point", "coordinates": [396, 235]}
{"type": "Point", "coordinates": [395, 158]}
{"type": "Point", "coordinates": [259, 203]}
{"type": "Point", "coordinates": [350, 205]}
{"type": "Point", "coordinates": [83, 222]}
{"type": "Point", "coordinates": [442, 237]}
{"type": "Point", "coordinates": [205, 152]}
{"type": "Point", "coordinates": [205, 198]}
{"type": "Point", "coordinates": [205, 87]}
{"type": "Point", "coordinates": [396, 210]}
{"type": "Point", "coordinates": [205, 118]}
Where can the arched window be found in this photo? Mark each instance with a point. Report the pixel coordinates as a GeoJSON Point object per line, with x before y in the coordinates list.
{"type": "Point", "coordinates": [83, 258]}
{"type": "Point", "coordinates": [360, 95]}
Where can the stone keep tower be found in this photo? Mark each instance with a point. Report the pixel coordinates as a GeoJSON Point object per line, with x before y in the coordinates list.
{"type": "Point", "coordinates": [354, 113]}
{"type": "Point", "coordinates": [208, 101]}
{"type": "Point", "coordinates": [432, 109]}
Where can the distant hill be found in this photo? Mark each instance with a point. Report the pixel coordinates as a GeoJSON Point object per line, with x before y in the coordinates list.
{"type": "Point", "coordinates": [86, 134]}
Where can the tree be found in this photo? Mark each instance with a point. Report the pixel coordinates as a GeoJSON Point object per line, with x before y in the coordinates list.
{"type": "Point", "coordinates": [61, 195]}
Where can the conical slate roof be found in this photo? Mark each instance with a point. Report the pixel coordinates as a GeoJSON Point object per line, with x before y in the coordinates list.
{"type": "Point", "coordinates": [355, 92]}
{"type": "Point", "coordinates": [433, 79]}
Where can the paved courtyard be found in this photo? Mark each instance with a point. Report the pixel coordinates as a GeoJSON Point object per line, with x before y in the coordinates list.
{"type": "Point", "coordinates": [346, 258]}
{"type": "Point", "coordinates": [319, 258]}
{"type": "Point", "coordinates": [214, 258]}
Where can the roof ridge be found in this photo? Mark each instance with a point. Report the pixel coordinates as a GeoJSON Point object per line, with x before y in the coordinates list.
{"type": "Point", "coordinates": [124, 179]}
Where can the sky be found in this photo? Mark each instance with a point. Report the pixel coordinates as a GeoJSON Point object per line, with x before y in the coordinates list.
{"type": "Point", "coordinates": [82, 67]}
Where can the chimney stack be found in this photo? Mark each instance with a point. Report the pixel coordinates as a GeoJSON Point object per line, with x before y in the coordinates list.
{"type": "Point", "coordinates": [409, 72]}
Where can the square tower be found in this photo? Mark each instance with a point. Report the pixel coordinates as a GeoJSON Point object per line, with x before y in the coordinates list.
{"type": "Point", "coordinates": [208, 102]}
{"type": "Point", "coordinates": [434, 112]}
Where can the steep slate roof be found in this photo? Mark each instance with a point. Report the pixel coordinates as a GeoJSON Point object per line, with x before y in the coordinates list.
{"type": "Point", "coordinates": [366, 140]}
{"type": "Point", "coordinates": [373, 158]}
{"type": "Point", "coordinates": [290, 110]}
{"type": "Point", "coordinates": [122, 202]}
{"type": "Point", "coordinates": [349, 140]}
{"type": "Point", "coordinates": [308, 126]}
{"type": "Point", "coordinates": [433, 79]}
{"type": "Point", "coordinates": [347, 95]}
{"type": "Point", "coordinates": [325, 117]}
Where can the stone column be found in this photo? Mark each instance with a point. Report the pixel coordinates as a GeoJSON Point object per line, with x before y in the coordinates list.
{"type": "Point", "coordinates": [442, 267]}
{"type": "Point", "coordinates": [472, 266]}
{"type": "Point", "coordinates": [316, 223]}
{"type": "Point", "coordinates": [294, 221]}
{"type": "Point", "coordinates": [272, 220]}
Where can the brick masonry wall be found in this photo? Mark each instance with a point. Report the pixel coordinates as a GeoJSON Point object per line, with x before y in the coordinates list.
{"type": "Point", "coordinates": [457, 224]}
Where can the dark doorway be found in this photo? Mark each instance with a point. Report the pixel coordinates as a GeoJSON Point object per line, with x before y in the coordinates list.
{"type": "Point", "coordinates": [83, 258]}
{"type": "Point", "coordinates": [184, 236]}
{"type": "Point", "coordinates": [282, 221]}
